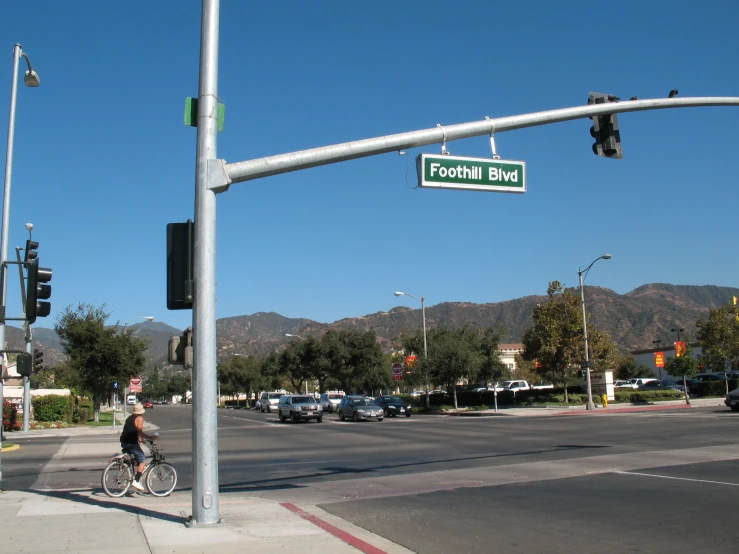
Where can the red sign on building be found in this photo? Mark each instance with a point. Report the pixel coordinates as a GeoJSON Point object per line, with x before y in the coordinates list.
{"type": "Point", "coordinates": [680, 348]}
{"type": "Point", "coordinates": [135, 384]}
{"type": "Point", "coordinates": [659, 359]}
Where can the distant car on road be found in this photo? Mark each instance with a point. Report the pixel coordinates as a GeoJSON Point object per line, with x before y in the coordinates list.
{"type": "Point", "coordinates": [624, 383]}
{"type": "Point", "coordinates": [710, 377]}
{"type": "Point", "coordinates": [148, 404]}
{"type": "Point", "coordinates": [330, 401]}
{"type": "Point", "coordinates": [269, 400]}
{"type": "Point", "coordinates": [359, 408]}
{"type": "Point", "coordinates": [299, 407]}
{"type": "Point", "coordinates": [393, 406]}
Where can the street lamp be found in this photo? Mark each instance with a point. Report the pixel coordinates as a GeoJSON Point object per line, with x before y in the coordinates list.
{"type": "Point", "coordinates": [678, 331]}
{"type": "Point", "coordinates": [31, 79]}
{"type": "Point", "coordinates": [582, 274]}
{"type": "Point", "coordinates": [146, 317]}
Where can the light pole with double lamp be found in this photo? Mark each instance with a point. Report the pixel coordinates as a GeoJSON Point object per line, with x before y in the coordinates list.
{"type": "Point", "coordinates": [582, 274]}
{"type": "Point", "coordinates": [31, 79]}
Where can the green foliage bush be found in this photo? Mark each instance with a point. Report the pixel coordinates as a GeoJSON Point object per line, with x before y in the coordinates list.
{"type": "Point", "coordinates": [648, 396]}
{"type": "Point", "coordinates": [715, 388]}
{"type": "Point", "coordinates": [53, 407]}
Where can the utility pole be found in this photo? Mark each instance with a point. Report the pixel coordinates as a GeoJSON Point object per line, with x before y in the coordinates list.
{"type": "Point", "coordinates": [205, 502]}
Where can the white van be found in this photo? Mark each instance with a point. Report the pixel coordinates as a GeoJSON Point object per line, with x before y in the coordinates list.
{"type": "Point", "coordinates": [269, 400]}
{"type": "Point", "coordinates": [131, 399]}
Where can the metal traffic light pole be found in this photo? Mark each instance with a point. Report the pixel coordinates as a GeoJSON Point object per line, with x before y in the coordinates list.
{"type": "Point", "coordinates": [214, 176]}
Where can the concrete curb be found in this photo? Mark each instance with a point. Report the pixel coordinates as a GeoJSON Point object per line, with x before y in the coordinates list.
{"type": "Point", "coordinates": [11, 448]}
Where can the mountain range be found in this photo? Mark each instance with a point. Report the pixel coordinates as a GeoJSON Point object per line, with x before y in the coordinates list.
{"type": "Point", "coordinates": [634, 320]}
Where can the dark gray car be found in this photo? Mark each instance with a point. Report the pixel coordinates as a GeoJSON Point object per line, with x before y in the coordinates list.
{"type": "Point", "coordinates": [359, 408]}
{"type": "Point", "coordinates": [299, 407]}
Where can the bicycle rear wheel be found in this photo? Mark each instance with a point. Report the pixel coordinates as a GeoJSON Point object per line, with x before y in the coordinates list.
{"type": "Point", "coordinates": [116, 478]}
{"type": "Point", "coordinates": [161, 479]}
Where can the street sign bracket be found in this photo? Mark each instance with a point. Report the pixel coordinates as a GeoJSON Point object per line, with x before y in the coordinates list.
{"type": "Point", "coordinates": [492, 138]}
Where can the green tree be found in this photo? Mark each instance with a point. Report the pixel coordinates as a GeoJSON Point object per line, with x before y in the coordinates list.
{"type": "Point", "coordinates": [682, 366]}
{"type": "Point", "coordinates": [453, 355]}
{"type": "Point", "coordinates": [179, 384]}
{"type": "Point", "coordinates": [101, 355]}
{"type": "Point", "coordinates": [239, 374]}
{"type": "Point", "coordinates": [354, 358]}
{"type": "Point", "coordinates": [556, 337]}
{"type": "Point", "coordinates": [628, 368]}
{"type": "Point", "coordinates": [719, 337]}
{"type": "Point", "coordinates": [411, 344]}
{"type": "Point", "coordinates": [153, 387]}
{"type": "Point", "coordinates": [491, 367]}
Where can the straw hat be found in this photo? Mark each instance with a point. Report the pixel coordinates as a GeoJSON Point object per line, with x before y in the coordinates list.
{"type": "Point", "coordinates": [138, 409]}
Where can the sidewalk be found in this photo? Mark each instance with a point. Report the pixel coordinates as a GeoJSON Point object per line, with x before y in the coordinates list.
{"type": "Point", "coordinates": [76, 518]}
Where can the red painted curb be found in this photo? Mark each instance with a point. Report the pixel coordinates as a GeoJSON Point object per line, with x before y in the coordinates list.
{"type": "Point", "coordinates": [357, 543]}
{"type": "Point", "coordinates": [602, 411]}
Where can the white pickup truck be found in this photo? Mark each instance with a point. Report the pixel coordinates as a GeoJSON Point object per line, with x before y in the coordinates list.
{"type": "Point", "coordinates": [518, 385]}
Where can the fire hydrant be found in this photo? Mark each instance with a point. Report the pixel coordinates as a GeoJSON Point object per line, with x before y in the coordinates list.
{"type": "Point", "coordinates": [604, 399]}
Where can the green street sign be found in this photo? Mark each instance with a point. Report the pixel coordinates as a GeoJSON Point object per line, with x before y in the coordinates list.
{"type": "Point", "coordinates": [456, 172]}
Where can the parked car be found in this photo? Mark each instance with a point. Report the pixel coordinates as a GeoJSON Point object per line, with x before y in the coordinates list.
{"type": "Point", "coordinates": [359, 408]}
{"type": "Point", "coordinates": [665, 384]}
{"type": "Point", "coordinates": [330, 400]}
{"type": "Point", "coordinates": [269, 400]}
{"type": "Point", "coordinates": [148, 404]}
{"type": "Point", "coordinates": [639, 381]}
{"type": "Point", "coordinates": [393, 405]}
{"type": "Point", "coordinates": [710, 377]}
{"type": "Point", "coordinates": [299, 407]}
{"type": "Point", "coordinates": [732, 400]}
{"type": "Point", "coordinates": [624, 383]}
{"type": "Point", "coordinates": [480, 389]}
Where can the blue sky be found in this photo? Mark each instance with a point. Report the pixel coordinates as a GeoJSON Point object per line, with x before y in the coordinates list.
{"type": "Point", "coordinates": [103, 161]}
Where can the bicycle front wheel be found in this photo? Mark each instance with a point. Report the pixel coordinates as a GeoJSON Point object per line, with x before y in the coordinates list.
{"type": "Point", "coordinates": [161, 479]}
{"type": "Point", "coordinates": [116, 479]}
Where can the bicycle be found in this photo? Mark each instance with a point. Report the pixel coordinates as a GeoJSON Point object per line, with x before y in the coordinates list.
{"type": "Point", "coordinates": [159, 476]}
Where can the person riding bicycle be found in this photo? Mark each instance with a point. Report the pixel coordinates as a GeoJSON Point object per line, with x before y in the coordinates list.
{"type": "Point", "coordinates": [133, 432]}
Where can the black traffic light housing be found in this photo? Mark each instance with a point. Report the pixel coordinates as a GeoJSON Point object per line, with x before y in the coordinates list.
{"type": "Point", "coordinates": [36, 291]}
{"type": "Point", "coordinates": [31, 251]}
{"type": "Point", "coordinates": [605, 129]}
{"type": "Point", "coordinates": [38, 360]}
{"type": "Point", "coordinates": [180, 289]}
{"type": "Point", "coordinates": [24, 364]}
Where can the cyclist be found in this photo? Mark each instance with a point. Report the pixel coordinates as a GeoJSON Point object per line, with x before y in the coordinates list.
{"type": "Point", "coordinates": [133, 432]}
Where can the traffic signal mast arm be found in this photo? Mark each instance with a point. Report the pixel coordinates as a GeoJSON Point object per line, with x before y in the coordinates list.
{"type": "Point", "coordinates": [221, 174]}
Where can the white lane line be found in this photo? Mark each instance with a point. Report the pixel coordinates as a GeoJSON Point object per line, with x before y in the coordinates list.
{"type": "Point", "coordinates": [676, 478]}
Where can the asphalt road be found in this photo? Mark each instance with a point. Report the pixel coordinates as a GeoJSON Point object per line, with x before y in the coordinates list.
{"type": "Point", "coordinates": [647, 482]}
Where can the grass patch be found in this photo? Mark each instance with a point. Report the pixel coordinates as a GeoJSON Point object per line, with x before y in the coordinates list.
{"type": "Point", "coordinates": [106, 420]}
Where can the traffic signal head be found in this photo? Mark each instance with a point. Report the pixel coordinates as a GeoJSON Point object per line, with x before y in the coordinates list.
{"type": "Point", "coordinates": [24, 364]}
{"type": "Point", "coordinates": [38, 360]}
{"type": "Point", "coordinates": [31, 251]}
{"type": "Point", "coordinates": [605, 129]}
{"type": "Point", "coordinates": [37, 290]}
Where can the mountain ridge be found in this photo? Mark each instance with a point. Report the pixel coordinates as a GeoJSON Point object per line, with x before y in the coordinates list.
{"type": "Point", "coordinates": [634, 319]}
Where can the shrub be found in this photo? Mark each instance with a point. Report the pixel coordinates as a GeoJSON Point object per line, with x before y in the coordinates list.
{"type": "Point", "coordinates": [53, 407]}
{"type": "Point", "coordinates": [10, 416]}
{"type": "Point", "coordinates": [647, 396]}
{"type": "Point", "coordinates": [715, 388]}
